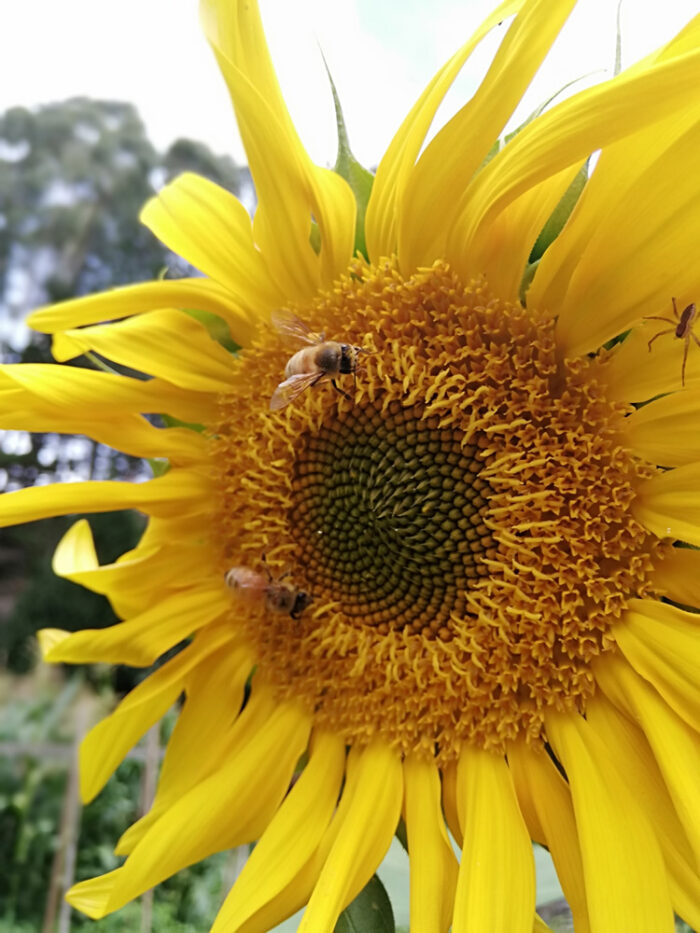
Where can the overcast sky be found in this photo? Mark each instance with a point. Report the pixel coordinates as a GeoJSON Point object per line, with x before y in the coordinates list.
{"type": "Point", "coordinates": [381, 53]}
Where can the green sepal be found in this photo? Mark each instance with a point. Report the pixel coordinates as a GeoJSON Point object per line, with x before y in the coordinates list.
{"type": "Point", "coordinates": [560, 214]}
{"type": "Point", "coordinates": [217, 327]}
{"type": "Point", "coordinates": [370, 912]}
{"type": "Point", "coordinates": [401, 834]}
{"type": "Point", "coordinates": [159, 466]}
{"type": "Point", "coordinates": [347, 166]}
{"type": "Point", "coordinates": [169, 421]}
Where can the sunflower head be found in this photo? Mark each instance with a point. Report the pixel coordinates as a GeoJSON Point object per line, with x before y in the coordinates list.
{"type": "Point", "coordinates": [453, 524]}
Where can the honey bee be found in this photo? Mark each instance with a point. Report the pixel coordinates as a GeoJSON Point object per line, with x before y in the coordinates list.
{"type": "Point", "coordinates": [278, 595]}
{"type": "Point", "coordinates": [321, 360]}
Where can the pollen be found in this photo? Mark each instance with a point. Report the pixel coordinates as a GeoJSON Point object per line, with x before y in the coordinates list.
{"type": "Point", "coordinates": [459, 513]}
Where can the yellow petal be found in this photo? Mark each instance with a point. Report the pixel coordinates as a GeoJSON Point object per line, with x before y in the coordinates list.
{"type": "Point", "coordinates": [168, 344]}
{"type": "Point", "coordinates": [665, 431]}
{"type": "Point", "coordinates": [366, 822]}
{"type": "Point", "coordinates": [433, 195]}
{"type": "Point", "coordinates": [669, 504]}
{"type": "Point", "coordinates": [611, 176]}
{"type": "Point", "coordinates": [142, 639]}
{"type": "Point", "coordinates": [496, 886]}
{"type": "Point", "coordinates": [105, 393]}
{"type": "Point", "coordinates": [652, 223]}
{"type": "Point", "coordinates": [451, 805]}
{"type": "Point", "coordinates": [200, 742]}
{"type": "Point", "coordinates": [630, 751]}
{"type": "Point", "coordinates": [178, 492]}
{"type": "Point", "coordinates": [677, 576]}
{"type": "Point", "coordinates": [662, 644]}
{"type": "Point", "coordinates": [675, 744]}
{"type": "Point", "coordinates": [624, 871]}
{"type": "Point", "coordinates": [292, 836]}
{"type": "Point", "coordinates": [91, 897]}
{"type": "Point", "coordinates": [396, 164]}
{"type": "Point", "coordinates": [502, 256]}
{"type": "Point", "coordinates": [231, 807]}
{"type": "Point", "coordinates": [106, 744]}
{"type": "Point", "coordinates": [545, 801]}
{"type": "Point", "coordinates": [139, 576]}
{"type": "Point", "coordinates": [212, 230]}
{"type": "Point", "coordinates": [199, 294]}
{"type": "Point", "coordinates": [565, 135]}
{"type": "Point", "coordinates": [290, 188]}
{"type": "Point", "coordinates": [130, 434]}
{"type": "Point", "coordinates": [433, 866]}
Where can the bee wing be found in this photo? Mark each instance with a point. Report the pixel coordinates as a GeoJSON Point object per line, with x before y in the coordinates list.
{"type": "Point", "coordinates": [288, 324]}
{"type": "Point", "coordinates": [288, 390]}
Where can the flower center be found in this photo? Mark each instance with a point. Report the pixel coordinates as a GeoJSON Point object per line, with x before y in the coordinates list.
{"type": "Point", "coordinates": [462, 520]}
{"type": "Point", "coordinates": [388, 514]}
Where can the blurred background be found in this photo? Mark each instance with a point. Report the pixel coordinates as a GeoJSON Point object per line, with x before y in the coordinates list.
{"type": "Point", "coordinates": [100, 106]}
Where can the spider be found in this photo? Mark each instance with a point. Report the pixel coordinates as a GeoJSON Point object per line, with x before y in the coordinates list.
{"type": "Point", "coordinates": [682, 328]}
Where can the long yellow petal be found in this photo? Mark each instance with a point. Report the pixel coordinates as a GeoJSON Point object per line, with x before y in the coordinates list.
{"type": "Point", "coordinates": [502, 256]}
{"type": "Point", "coordinates": [292, 836]}
{"type": "Point", "coordinates": [106, 744]}
{"type": "Point", "coordinates": [451, 804]}
{"type": "Point", "coordinates": [366, 825]}
{"type": "Point", "coordinates": [178, 492]}
{"type": "Point", "coordinates": [199, 294]}
{"type": "Point", "coordinates": [142, 639]}
{"type": "Point", "coordinates": [289, 186]}
{"type": "Point", "coordinates": [496, 885]}
{"type": "Point", "coordinates": [168, 344]}
{"type": "Point", "coordinates": [397, 163]}
{"type": "Point", "coordinates": [202, 743]}
{"type": "Point", "coordinates": [653, 223]}
{"type": "Point", "coordinates": [665, 431]}
{"type": "Point", "coordinates": [212, 230]}
{"type": "Point", "coordinates": [433, 866]}
{"type": "Point", "coordinates": [231, 807]}
{"type": "Point", "coordinates": [629, 749]}
{"type": "Point", "coordinates": [669, 504]}
{"type": "Point", "coordinates": [104, 393]}
{"type": "Point", "coordinates": [678, 576]}
{"type": "Point", "coordinates": [623, 868]}
{"type": "Point", "coordinates": [612, 176]}
{"type": "Point", "coordinates": [543, 792]}
{"type": "Point", "coordinates": [130, 434]}
{"type": "Point", "coordinates": [662, 644]}
{"type": "Point", "coordinates": [139, 576]}
{"type": "Point", "coordinates": [675, 744]}
{"type": "Point", "coordinates": [433, 195]}
{"type": "Point", "coordinates": [565, 135]}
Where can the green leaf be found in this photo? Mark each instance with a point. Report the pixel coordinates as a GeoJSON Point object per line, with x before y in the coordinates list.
{"type": "Point", "coordinates": [370, 912]}
{"type": "Point", "coordinates": [560, 214]}
{"type": "Point", "coordinates": [347, 166]}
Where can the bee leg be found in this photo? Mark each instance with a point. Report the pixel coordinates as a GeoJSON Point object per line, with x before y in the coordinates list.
{"type": "Point", "coordinates": [338, 389]}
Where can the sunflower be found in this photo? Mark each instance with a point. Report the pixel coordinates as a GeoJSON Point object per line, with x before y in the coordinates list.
{"type": "Point", "coordinates": [464, 572]}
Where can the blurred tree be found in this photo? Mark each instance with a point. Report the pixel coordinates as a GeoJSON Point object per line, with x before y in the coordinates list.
{"type": "Point", "coordinates": [73, 178]}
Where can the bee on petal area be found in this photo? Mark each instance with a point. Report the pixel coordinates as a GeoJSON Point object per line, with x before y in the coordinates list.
{"type": "Point", "coordinates": [278, 596]}
{"type": "Point", "coordinates": [320, 361]}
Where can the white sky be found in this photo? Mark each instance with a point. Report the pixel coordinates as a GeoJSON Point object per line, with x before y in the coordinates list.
{"type": "Point", "coordinates": [381, 53]}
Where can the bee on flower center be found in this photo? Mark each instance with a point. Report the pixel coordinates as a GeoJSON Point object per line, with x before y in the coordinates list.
{"type": "Point", "coordinates": [321, 360]}
{"type": "Point", "coordinates": [278, 595]}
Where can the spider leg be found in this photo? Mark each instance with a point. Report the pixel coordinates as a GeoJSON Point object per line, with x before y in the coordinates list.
{"type": "Point", "coordinates": [675, 309]}
{"type": "Point", "coordinates": [655, 317]}
{"type": "Point", "coordinates": [670, 330]}
{"type": "Point", "coordinates": [685, 359]}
